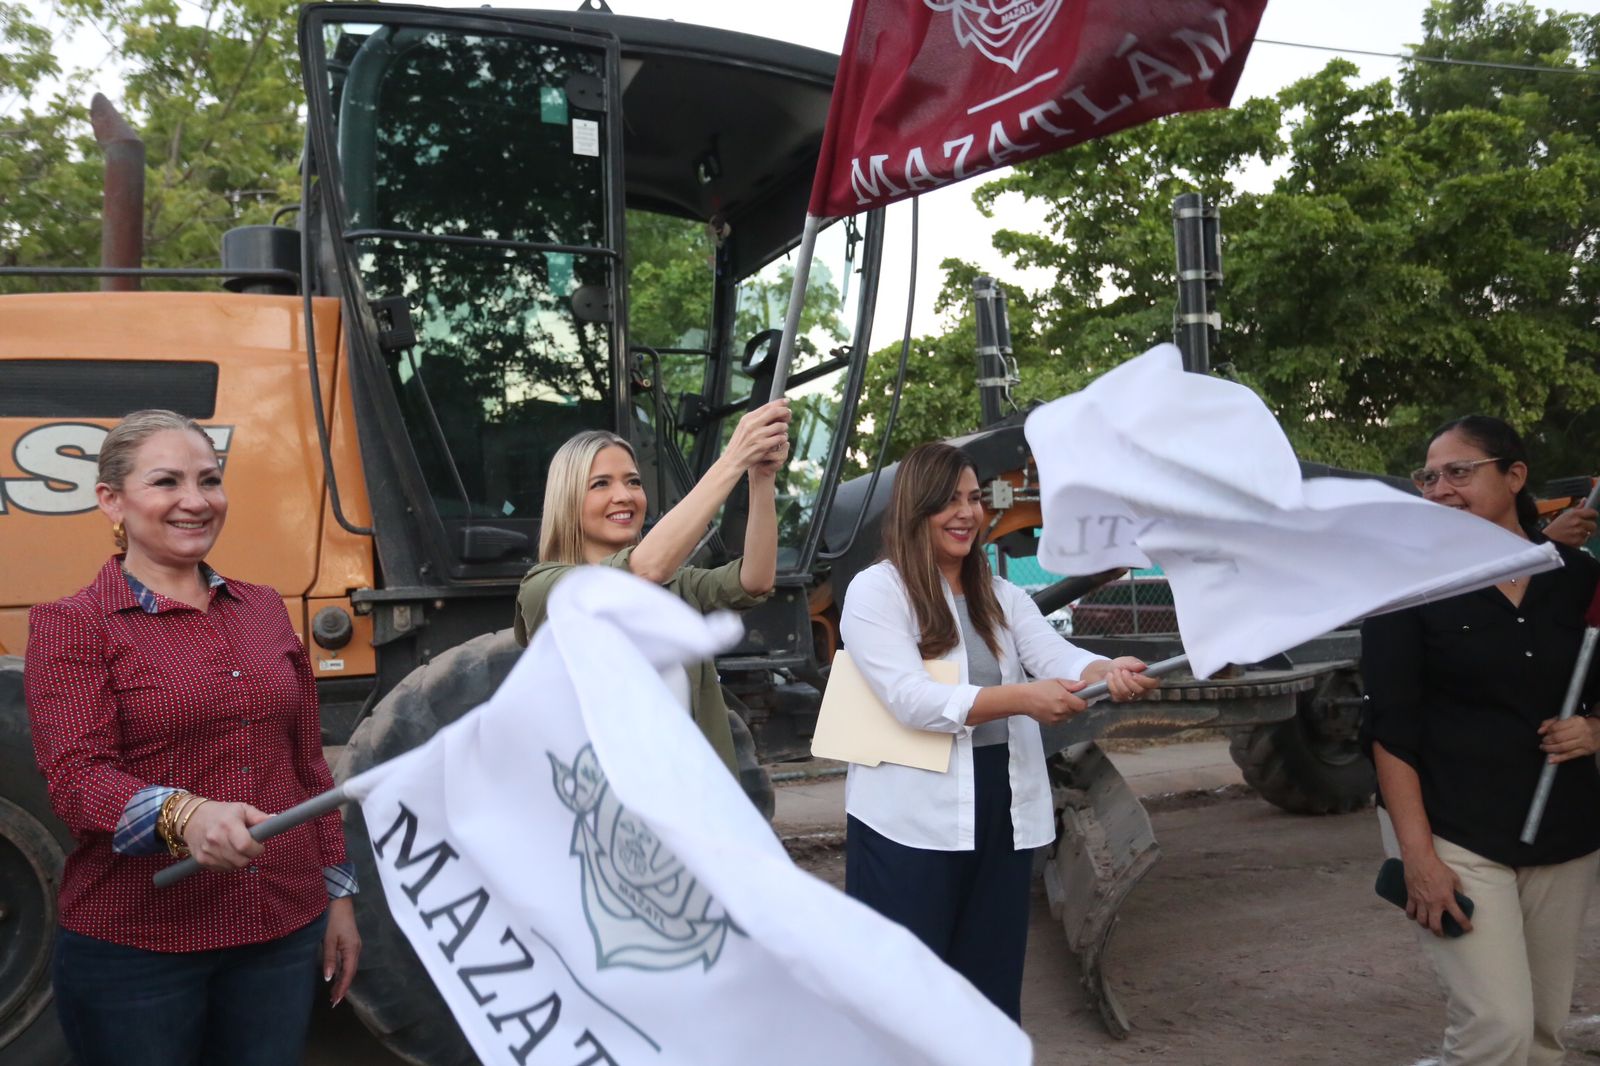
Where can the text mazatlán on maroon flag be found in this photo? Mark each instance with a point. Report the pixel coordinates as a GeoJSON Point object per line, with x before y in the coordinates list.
{"type": "Point", "coordinates": [933, 91]}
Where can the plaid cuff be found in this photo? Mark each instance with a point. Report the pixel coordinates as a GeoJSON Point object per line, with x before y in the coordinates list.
{"type": "Point", "coordinates": [136, 829]}
{"type": "Point", "coordinates": [136, 835]}
{"type": "Point", "coordinates": [340, 880]}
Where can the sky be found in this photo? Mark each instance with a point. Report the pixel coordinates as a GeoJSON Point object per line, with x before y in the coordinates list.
{"type": "Point", "coordinates": [951, 225]}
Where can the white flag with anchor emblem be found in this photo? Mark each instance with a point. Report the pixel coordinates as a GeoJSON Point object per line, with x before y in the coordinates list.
{"type": "Point", "coordinates": [1152, 465]}
{"type": "Point", "coordinates": [587, 884]}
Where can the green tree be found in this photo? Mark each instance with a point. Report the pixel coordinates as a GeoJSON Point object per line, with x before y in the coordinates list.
{"type": "Point", "coordinates": [213, 88]}
{"type": "Point", "coordinates": [764, 299]}
{"type": "Point", "coordinates": [43, 216]}
{"type": "Point", "coordinates": [671, 272]}
{"type": "Point", "coordinates": [940, 398]}
{"type": "Point", "coordinates": [1424, 251]}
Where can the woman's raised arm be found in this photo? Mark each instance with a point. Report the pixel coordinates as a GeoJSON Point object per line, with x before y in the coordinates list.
{"type": "Point", "coordinates": [758, 436]}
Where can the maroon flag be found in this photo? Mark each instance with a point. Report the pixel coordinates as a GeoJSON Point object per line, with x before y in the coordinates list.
{"type": "Point", "coordinates": [933, 91]}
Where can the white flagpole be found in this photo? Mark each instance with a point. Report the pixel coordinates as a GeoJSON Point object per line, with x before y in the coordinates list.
{"type": "Point", "coordinates": [1569, 706]}
{"type": "Point", "coordinates": [797, 299]}
{"type": "Point", "coordinates": [1547, 773]}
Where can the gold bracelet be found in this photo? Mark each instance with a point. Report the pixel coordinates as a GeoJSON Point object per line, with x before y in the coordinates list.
{"type": "Point", "coordinates": [164, 819]}
{"type": "Point", "coordinates": [183, 823]}
{"type": "Point", "coordinates": [165, 827]}
{"type": "Point", "coordinates": [168, 826]}
{"type": "Point", "coordinates": [180, 818]}
{"type": "Point", "coordinates": [180, 847]}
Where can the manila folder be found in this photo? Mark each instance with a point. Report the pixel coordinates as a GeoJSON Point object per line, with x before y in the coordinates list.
{"type": "Point", "coordinates": [854, 727]}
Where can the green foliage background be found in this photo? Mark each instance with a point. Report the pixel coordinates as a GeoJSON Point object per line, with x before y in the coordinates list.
{"type": "Point", "coordinates": [1426, 250]}
{"type": "Point", "coordinates": [215, 95]}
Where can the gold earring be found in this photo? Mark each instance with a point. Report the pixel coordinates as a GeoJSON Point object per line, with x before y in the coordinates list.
{"type": "Point", "coordinates": [118, 533]}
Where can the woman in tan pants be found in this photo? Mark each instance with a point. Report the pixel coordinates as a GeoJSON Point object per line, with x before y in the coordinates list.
{"type": "Point", "coordinates": [1460, 718]}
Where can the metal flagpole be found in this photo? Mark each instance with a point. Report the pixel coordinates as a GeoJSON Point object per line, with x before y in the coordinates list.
{"type": "Point", "coordinates": [797, 299]}
{"type": "Point", "coordinates": [317, 806]}
{"type": "Point", "coordinates": [1547, 775]}
{"type": "Point", "coordinates": [1165, 666]}
{"type": "Point", "coordinates": [298, 815]}
{"type": "Point", "coordinates": [1569, 706]}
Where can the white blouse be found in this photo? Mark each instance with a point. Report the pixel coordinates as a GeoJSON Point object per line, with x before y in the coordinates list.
{"type": "Point", "coordinates": [922, 808]}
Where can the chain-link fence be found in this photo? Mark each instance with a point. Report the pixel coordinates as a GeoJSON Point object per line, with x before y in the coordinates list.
{"type": "Point", "coordinates": [1136, 605]}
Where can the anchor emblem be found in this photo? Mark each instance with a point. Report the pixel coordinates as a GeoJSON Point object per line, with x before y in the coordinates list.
{"type": "Point", "coordinates": [644, 908]}
{"type": "Point", "coordinates": [1003, 30]}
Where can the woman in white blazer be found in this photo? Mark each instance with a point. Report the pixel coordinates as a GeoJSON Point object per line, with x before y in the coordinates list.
{"type": "Point", "coordinates": [949, 855]}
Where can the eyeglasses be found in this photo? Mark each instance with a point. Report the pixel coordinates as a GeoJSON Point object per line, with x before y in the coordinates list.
{"type": "Point", "coordinates": [1457, 473]}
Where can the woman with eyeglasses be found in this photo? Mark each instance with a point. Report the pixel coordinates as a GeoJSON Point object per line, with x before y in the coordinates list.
{"type": "Point", "coordinates": [1460, 718]}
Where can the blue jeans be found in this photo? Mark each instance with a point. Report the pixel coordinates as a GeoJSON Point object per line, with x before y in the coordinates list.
{"type": "Point", "coordinates": [244, 1006]}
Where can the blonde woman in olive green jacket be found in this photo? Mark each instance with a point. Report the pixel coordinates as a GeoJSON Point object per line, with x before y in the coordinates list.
{"type": "Point", "coordinates": [594, 507]}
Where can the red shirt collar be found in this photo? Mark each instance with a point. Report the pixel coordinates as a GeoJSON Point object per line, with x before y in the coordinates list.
{"type": "Point", "coordinates": [112, 587]}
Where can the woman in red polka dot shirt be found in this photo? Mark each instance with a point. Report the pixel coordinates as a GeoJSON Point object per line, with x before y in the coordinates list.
{"type": "Point", "coordinates": [170, 708]}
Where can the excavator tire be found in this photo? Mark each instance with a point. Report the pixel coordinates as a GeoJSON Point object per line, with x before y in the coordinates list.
{"type": "Point", "coordinates": [1301, 764]}
{"type": "Point", "coordinates": [392, 993]}
{"type": "Point", "coordinates": [753, 777]}
{"type": "Point", "coordinates": [33, 846]}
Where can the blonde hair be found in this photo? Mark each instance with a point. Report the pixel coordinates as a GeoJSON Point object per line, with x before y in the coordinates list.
{"type": "Point", "coordinates": [124, 440]}
{"type": "Point", "coordinates": [561, 524]}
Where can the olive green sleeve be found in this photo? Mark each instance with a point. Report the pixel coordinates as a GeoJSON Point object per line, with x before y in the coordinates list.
{"type": "Point", "coordinates": [705, 590]}
{"type": "Point", "coordinates": [715, 589]}
{"type": "Point", "coordinates": [533, 598]}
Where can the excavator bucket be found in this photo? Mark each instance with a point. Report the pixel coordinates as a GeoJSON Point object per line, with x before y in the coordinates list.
{"type": "Point", "coordinates": [1104, 841]}
{"type": "Point", "coordinates": [1104, 847]}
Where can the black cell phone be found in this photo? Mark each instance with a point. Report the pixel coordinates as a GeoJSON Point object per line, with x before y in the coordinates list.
{"type": "Point", "coordinates": [1391, 885]}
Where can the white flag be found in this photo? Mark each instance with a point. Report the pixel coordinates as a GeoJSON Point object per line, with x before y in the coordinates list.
{"type": "Point", "coordinates": [1150, 465]}
{"type": "Point", "coordinates": [587, 884]}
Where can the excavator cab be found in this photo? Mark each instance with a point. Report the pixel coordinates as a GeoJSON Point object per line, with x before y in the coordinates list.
{"type": "Point", "coordinates": [543, 222]}
{"type": "Point", "coordinates": [540, 223]}
{"type": "Point", "coordinates": [500, 192]}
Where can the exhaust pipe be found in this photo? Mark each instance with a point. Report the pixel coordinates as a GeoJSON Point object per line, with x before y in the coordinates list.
{"type": "Point", "coordinates": [122, 209]}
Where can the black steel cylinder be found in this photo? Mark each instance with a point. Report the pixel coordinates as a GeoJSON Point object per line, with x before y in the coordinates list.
{"type": "Point", "coordinates": [1197, 235]}
{"type": "Point", "coordinates": [248, 248]}
{"type": "Point", "coordinates": [994, 347]}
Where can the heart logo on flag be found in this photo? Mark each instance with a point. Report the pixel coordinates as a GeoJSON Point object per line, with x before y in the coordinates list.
{"type": "Point", "coordinates": [1003, 31]}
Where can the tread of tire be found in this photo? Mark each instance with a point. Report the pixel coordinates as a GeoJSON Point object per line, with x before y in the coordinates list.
{"type": "Point", "coordinates": [1278, 764]}
{"type": "Point", "coordinates": [41, 1043]}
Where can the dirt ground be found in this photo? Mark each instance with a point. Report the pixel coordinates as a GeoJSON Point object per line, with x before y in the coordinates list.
{"type": "Point", "coordinates": [1255, 940]}
{"type": "Point", "coordinates": [1258, 939]}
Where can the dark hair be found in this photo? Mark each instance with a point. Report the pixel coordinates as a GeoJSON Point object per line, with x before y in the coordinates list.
{"type": "Point", "coordinates": [1496, 437]}
{"type": "Point", "coordinates": [923, 485]}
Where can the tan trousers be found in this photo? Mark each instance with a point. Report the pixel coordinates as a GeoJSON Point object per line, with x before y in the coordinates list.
{"type": "Point", "coordinates": [1508, 983]}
